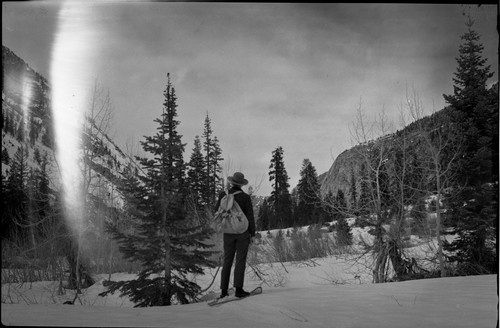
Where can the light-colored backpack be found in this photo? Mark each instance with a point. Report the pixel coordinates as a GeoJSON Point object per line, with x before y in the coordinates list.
{"type": "Point", "coordinates": [229, 218]}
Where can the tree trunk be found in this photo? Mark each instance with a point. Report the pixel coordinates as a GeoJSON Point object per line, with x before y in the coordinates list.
{"type": "Point", "coordinates": [78, 277]}
{"type": "Point", "coordinates": [438, 236]}
{"type": "Point", "coordinates": [397, 261]}
{"type": "Point", "coordinates": [168, 272]}
{"type": "Point", "coordinates": [167, 261]}
{"type": "Point", "coordinates": [33, 240]}
{"type": "Point", "coordinates": [379, 274]}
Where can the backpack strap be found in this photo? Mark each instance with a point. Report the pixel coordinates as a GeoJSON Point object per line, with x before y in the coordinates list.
{"type": "Point", "coordinates": [229, 202]}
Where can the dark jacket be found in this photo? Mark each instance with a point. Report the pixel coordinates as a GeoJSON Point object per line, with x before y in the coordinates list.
{"type": "Point", "coordinates": [245, 203]}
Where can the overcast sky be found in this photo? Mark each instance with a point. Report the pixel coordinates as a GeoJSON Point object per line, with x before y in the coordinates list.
{"type": "Point", "coordinates": [268, 75]}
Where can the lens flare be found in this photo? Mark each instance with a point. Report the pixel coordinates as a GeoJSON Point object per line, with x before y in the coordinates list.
{"type": "Point", "coordinates": [71, 76]}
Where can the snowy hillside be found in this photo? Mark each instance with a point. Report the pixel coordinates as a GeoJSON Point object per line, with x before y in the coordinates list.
{"type": "Point", "coordinates": [26, 110]}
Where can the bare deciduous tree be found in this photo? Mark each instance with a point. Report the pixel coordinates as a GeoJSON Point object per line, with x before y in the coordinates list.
{"type": "Point", "coordinates": [438, 147]}
{"type": "Point", "coordinates": [98, 119]}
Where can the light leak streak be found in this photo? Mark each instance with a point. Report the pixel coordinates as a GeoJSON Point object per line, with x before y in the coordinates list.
{"type": "Point", "coordinates": [25, 105]}
{"type": "Point", "coordinates": [71, 76]}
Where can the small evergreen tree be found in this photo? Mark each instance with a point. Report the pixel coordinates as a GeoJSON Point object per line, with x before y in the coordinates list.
{"type": "Point", "coordinates": [353, 195]}
{"type": "Point", "coordinates": [37, 156]}
{"type": "Point", "coordinates": [339, 205]}
{"type": "Point", "coordinates": [263, 222]}
{"type": "Point", "coordinates": [344, 234]}
{"type": "Point", "coordinates": [20, 134]}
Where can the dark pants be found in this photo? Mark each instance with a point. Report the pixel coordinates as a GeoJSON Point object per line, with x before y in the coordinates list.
{"type": "Point", "coordinates": [234, 244]}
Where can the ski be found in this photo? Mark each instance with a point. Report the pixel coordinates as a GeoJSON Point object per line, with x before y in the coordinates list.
{"type": "Point", "coordinates": [231, 298]}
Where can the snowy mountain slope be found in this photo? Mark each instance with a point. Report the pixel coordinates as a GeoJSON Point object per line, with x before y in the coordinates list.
{"type": "Point", "coordinates": [26, 102]}
{"type": "Point", "coordinates": [445, 302]}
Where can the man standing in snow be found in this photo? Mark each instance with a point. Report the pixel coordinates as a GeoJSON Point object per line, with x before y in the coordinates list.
{"type": "Point", "coordinates": [237, 244]}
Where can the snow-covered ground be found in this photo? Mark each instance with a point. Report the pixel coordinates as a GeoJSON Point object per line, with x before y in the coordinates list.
{"type": "Point", "coordinates": [445, 302]}
{"type": "Point", "coordinates": [334, 291]}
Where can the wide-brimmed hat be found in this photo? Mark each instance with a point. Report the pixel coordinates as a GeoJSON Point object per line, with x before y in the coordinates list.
{"type": "Point", "coordinates": [238, 178]}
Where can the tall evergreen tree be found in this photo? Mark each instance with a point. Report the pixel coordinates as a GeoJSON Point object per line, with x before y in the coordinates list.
{"type": "Point", "coordinates": [280, 196]}
{"type": "Point", "coordinates": [217, 160]}
{"type": "Point", "coordinates": [308, 194]}
{"type": "Point", "coordinates": [473, 211]}
{"type": "Point", "coordinates": [164, 239]}
{"type": "Point", "coordinates": [213, 167]}
{"type": "Point", "coordinates": [196, 174]}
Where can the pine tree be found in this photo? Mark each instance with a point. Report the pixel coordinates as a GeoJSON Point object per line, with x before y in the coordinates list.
{"type": "Point", "coordinates": [280, 196]}
{"type": "Point", "coordinates": [473, 211]}
{"type": "Point", "coordinates": [213, 159]}
{"type": "Point", "coordinates": [263, 222]}
{"type": "Point", "coordinates": [217, 168]}
{"type": "Point", "coordinates": [43, 198]}
{"type": "Point", "coordinates": [353, 194]}
{"type": "Point", "coordinates": [196, 174]}
{"type": "Point", "coordinates": [15, 196]}
{"type": "Point", "coordinates": [308, 196]}
{"type": "Point", "coordinates": [344, 234]}
{"type": "Point", "coordinates": [340, 206]}
{"type": "Point", "coordinates": [20, 131]}
{"type": "Point", "coordinates": [165, 238]}
{"type": "Point", "coordinates": [37, 156]}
